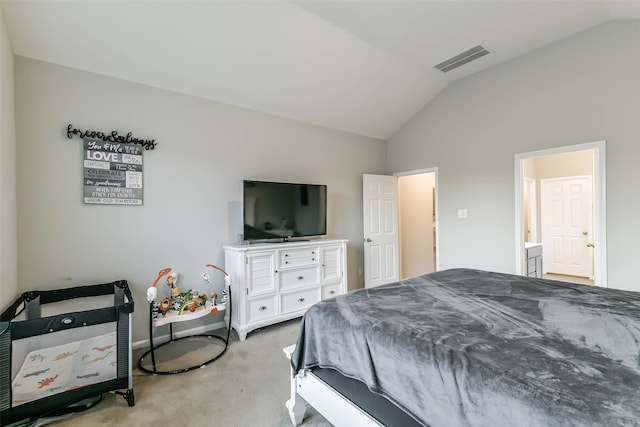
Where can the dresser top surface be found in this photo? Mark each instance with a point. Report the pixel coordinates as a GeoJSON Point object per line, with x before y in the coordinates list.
{"type": "Point", "coordinates": [283, 245]}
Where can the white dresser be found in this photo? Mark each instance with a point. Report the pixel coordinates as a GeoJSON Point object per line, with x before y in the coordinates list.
{"type": "Point", "coordinates": [279, 281]}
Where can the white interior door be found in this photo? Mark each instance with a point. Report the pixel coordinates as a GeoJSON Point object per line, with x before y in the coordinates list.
{"type": "Point", "coordinates": [567, 226]}
{"type": "Point", "coordinates": [380, 215]}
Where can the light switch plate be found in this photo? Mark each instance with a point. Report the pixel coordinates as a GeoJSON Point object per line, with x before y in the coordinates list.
{"type": "Point", "coordinates": [462, 213]}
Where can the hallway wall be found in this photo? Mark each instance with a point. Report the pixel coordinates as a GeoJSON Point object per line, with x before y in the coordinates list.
{"type": "Point", "coordinates": [415, 199]}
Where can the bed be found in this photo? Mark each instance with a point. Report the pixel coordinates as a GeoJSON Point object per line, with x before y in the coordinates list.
{"type": "Point", "coordinates": [60, 348]}
{"type": "Point", "coordinates": [464, 347]}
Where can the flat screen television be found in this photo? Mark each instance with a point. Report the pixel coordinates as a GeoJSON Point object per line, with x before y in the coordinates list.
{"type": "Point", "coordinates": [284, 210]}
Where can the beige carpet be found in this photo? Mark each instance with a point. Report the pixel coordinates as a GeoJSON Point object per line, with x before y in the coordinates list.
{"type": "Point", "coordinates": [247, 386]}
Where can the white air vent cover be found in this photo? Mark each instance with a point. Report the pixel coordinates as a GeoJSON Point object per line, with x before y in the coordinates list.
{"type": "Point", "coordinates": [462, 58]}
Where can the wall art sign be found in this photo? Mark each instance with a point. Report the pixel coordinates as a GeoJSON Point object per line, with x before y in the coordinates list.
{"type": "Point", "coordinates": [113, 136]}
{"type": "Point", "coordinates": [112, 172]}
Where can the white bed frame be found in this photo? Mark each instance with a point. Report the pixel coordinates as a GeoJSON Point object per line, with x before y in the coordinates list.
{"type": "Point", "coordinates": [308, 389]}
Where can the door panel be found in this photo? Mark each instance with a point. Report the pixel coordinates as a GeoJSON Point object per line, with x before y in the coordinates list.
{"type": "Point", "coordinates": [380, 218]}
{"type": "Point", "coordinates": [567, 225]}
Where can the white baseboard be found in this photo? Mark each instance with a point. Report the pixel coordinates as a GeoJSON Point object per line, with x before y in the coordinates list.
{"type": "Point", "coordinates": [144, 344]}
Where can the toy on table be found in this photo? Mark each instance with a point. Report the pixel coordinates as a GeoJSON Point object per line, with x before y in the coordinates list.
{"type": "Point", "coordinates": [190, 300]}
{"type": "Point", "coordinates": [227, 283]}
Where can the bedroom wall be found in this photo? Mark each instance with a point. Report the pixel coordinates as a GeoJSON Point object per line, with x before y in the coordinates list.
{"type": "Point", "coordinates": [8, 235]}
{"type": "Point", "coordinates": [192, 181]}
{"type": "Point", "coordinates": [583, 89]}
{"type": "Point", "coordinates": [575, 163]}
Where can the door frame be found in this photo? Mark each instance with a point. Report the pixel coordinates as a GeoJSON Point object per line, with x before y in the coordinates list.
{"type": "Point", "coordinates": [599, 206]}
{"type": "Point", "coordinates": [433, 170]}
{"type": "Point", "coordinates": [533, 206]}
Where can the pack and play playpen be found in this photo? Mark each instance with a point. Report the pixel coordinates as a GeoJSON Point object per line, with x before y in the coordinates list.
{"type": "Point", "coordinates": [59, 347]}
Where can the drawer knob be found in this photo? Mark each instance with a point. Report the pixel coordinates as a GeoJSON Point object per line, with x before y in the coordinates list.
{"type": "Point", "coordinates": [286, 262]}
{"type": "Point", "coordinates": [313, 259]}
{"type": "Point", "coordinates": [332, 292]}
{"type": "Point", "coordinates": [286, 254]}
{"type": "Point", "coordinates": [262, 307]}
{"type": "Point", "coordinates": [300, 277]}
{"type": "Point", "coordinates": [300, 299]}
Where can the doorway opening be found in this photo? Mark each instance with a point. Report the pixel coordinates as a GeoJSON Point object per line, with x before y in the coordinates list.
{"type": "Point", "coordinates": [417, 223]}
{"type": "Point", "coordinates": [560, 212]}
{"type": "Point", "coordinates": [400, 225]}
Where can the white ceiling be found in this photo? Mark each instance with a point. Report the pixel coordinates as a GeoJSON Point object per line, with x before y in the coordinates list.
{"type": "Point", "coordinates": [364, 67]}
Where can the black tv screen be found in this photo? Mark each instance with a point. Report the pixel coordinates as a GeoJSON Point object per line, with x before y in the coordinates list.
{"type": "Point", "coordinates": [284, 210]}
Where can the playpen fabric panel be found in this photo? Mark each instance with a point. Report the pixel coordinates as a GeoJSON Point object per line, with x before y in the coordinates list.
{"type": "Point", "coordinates": [65, 367]}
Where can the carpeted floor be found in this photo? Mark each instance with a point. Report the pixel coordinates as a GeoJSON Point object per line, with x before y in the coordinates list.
{"type": "Point", "coordinates": [247, 386]}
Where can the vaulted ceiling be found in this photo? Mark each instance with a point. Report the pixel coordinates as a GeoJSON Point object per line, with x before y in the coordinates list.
{"type": "Point", "coordinates": [364, 67]}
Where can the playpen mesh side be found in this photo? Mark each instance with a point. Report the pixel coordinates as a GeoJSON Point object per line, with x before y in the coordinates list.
{"type": "Point", "coordinates": [5, 366]}
{"type": "Point", "coordinates": [123, 340]}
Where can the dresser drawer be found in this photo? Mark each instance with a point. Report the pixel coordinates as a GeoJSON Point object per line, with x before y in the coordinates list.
{"type": "Point", "coordinates": [329, 291]}
{"type": "Point", "coordinates": [296, 257]}
{"type": "Point", "coordinates": [262, 308]}
{"type": "Point", "coordinates": [300, 277]}
{"type": "Point", "coordinates": [299, 300]}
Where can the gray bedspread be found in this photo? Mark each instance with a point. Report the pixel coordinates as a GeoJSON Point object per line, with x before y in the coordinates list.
{"type": "Point", "coordinates": [472, 348]}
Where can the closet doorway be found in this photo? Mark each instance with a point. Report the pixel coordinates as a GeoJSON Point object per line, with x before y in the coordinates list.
{"type": "Point", "coordinates": [399, 225]}
{"type": "Point", "coordinates": [417, 223]}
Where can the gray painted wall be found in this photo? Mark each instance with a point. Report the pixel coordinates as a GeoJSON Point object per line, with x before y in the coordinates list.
{"type": "Point", "coordinates": [192, 181]}
{"type": "Point", "coordinates": [580, 90]}
{"type": "Point", "coordinates": [583, 89]}
{"type": "Point", "coordinates": [8, 235]}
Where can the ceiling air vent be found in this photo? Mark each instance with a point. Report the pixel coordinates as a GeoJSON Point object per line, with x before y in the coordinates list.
{"type": "Point", "coordinates": [462, 58]}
